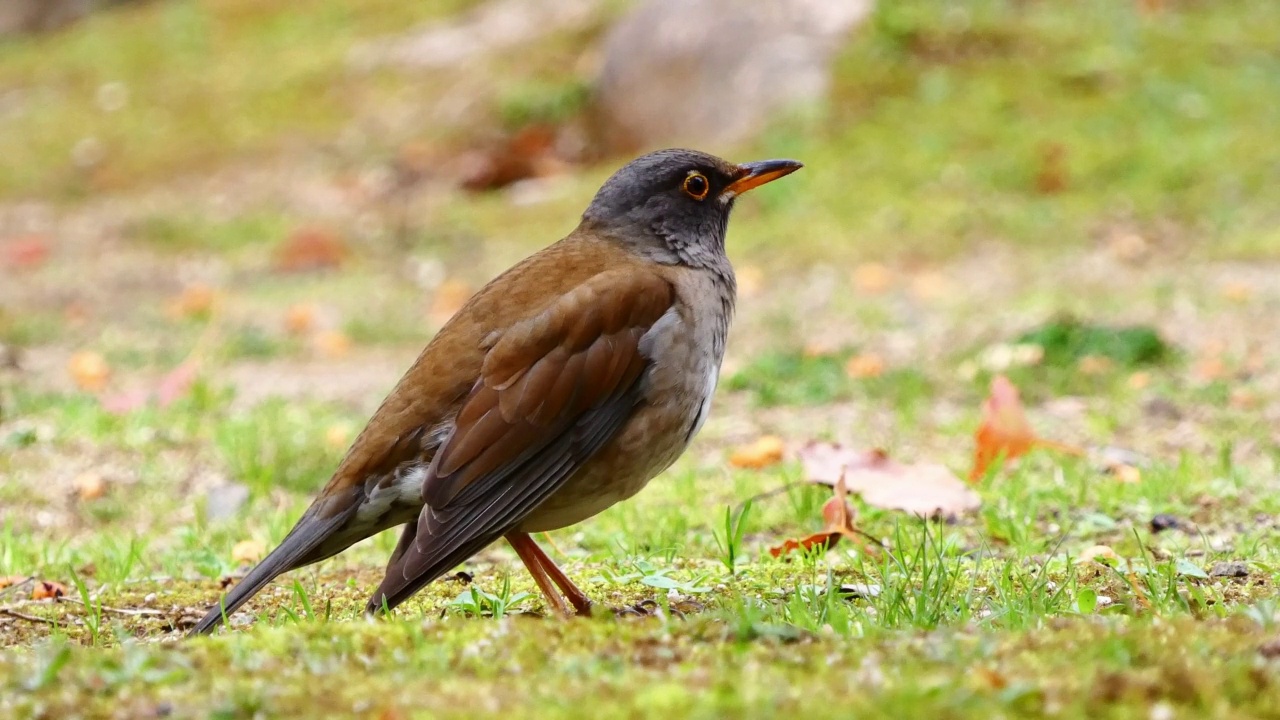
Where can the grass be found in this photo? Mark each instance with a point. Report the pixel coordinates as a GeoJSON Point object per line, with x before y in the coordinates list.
{"type": "Point", "coordinates": [999, 158]}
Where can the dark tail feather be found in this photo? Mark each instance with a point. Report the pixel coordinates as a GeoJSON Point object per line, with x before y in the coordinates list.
{"type": "Point", "coordinates": [304, 545]}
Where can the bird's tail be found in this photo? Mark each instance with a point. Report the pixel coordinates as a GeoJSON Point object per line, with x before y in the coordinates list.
{"type": "Point", "coordinates": [305, 544]}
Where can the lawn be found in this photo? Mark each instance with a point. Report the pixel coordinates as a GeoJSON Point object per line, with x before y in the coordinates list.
{"type": "Point", "coordinates": [985, 176]}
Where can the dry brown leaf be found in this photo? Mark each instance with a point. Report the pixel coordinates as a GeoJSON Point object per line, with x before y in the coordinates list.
{"type": "Point", "coordinates": [1139, 380]}
{"type": "Point", "coordinates": [1051, 176]}
{"type": "Point", "coordinates": [448, 299]}
{"type": "Point", "coordinates": [337, 436]}
{"type": "Point", "coordinates": [924, 489]}
{"type": "Point", "coordinates": [89, 485]}
{"type": "Point", "coordinates": [248, 551]}
{"type": "Point", "coordinates": [300, 318]}
{"type": "Point", "coordinates": [872, 278]}
{"type": "Point", "coordinates": [765, 451]}
{"type": "Point", "coordinates": [89, 370]}
{"type": "Point", "coordinates": [1238, 292]}
{"type": "Point", "coordinates": [1095, 365]}
{"type": "Point", "coordinates": [866, 365]}
{"type": "Point", "coordinates": [838, 516]}
{"type": "Point", "coordinates": [332, 343]}
{"type": "Point", "coordinates": [195, 301]}
{"type": "Point", "coordinates": [1097, 553]}
{"type": "Point", "coordinates": [47, 590]}
{"type": "Point", "coordinates": [11, 580]}
{"type": "Point", "coordinates": [311, 248]}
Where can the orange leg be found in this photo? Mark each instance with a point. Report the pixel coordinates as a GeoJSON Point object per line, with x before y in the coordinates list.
{"type": "Point", "coordinates": [545, 572]}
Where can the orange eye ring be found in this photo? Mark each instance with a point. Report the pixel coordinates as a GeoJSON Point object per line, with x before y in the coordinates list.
{"type": "Point", "coordinates": [696, 185]}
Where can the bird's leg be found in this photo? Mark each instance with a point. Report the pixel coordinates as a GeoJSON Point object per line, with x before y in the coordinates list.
{"type": "Point", "coordinates": [581, 603]}
{"type": "Point", "coordinates": [531, 555]}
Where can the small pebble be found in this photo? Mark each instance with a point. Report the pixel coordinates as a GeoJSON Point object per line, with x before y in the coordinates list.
{"type": "Point", "coordinates": [1163, 522]}
{"type": "Point", "coordinates": [1233, 569]}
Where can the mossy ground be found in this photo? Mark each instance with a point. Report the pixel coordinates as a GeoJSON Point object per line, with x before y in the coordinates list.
{"type": "Point", "coordinates": [1005, 162]}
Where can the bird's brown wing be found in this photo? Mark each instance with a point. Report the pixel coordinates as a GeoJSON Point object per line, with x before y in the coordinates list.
{"type": "Point", "coordinates": [553, 389]}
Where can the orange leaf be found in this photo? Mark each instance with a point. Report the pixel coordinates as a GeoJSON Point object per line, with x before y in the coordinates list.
{"type": "Point", "coordinates": [89, 370]}
{"type": "Point", "coordinates": [1004, 431]}
{"type": "Point", "coordinates": [449, 299]}
{"type": "Point", "coordinates": [47, 589]}
{"type": "Point", "coordinates": [867, 365]}
{"type": "Point", "coordinates": [838, 514]}
{"type": "Point", "coordinates": [765, 451]}
{"type": "Point", "coordinates": [8, 580]}
{"type": "Point", "coordinates": [311, 249]}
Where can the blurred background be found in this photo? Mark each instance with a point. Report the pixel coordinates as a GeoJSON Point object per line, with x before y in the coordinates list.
{"type": "Point", "coordinates": [218, 202]}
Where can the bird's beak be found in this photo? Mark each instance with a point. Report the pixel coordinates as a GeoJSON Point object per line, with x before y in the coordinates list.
{"type": "Point", "coordinates": [755, 174]}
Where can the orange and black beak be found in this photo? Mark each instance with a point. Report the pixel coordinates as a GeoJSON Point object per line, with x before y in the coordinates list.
{"type": "Point", "coordinates": [754, 174]}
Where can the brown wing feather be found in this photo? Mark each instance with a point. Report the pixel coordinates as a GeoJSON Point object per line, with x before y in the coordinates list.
{"type": "Point", "coordinates": [553, 390]}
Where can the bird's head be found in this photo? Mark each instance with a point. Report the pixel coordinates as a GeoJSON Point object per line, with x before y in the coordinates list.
{"type": "Point", "coordinates": [674, 205]}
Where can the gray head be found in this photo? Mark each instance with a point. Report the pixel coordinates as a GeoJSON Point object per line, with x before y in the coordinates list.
{"type": "Point", "coordinates": [673, 205]}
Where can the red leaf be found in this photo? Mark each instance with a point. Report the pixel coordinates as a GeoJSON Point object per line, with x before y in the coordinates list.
{"type": "Point", "coordinates": [27, 252]}
{"type": "Point", "coordinates": [172, 386]}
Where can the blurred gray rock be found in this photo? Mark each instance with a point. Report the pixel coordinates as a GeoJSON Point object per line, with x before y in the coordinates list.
{"type": "Point", "coordinates": [24, 17]}
{"type": "Point", "coordinates": [713, 72]}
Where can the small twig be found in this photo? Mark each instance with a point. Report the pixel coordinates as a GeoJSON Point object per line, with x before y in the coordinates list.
{"type": "Point", "coordinates": [118, 611]}
{"type": "Point", "coordinates": [10, 612]}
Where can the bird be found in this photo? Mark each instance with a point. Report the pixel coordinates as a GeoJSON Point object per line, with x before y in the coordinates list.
{"type": "Point", "coordinates": [561, 388]}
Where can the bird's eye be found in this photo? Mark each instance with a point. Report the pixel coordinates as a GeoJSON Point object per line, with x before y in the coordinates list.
{"type": "Point", "coordinates": [696, 185]}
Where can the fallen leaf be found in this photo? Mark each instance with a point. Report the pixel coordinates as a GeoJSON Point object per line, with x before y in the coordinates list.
{"type": "Point", "coordinates": [1139, 380]}
{"type": "Point", "coordinates": [528, 153]}
{"type": "Point", "coordinates": [337, 436]}
{"type": "Point", "coordinates": [1127, 473]}
{"type": "Point", "coordinates": [311, 248]}
{"type": "Point", "coordinates": [89, 485]}
{"type": "Point", "coordinates": [1237, 292]}
{"type": "Point", "coordinates": [300, 318]}
{"type": "Point", "coordinates": [332, 343]}
{"type": "Point", "coordinates": [765, 451]}
{"type": "Point", "coordinates": [1051, 176]}
{"type": "Point", "coordinates": [89, 370]}
{"type": "Point", "coordinates": [1209, 369]}
{"type": "Point", "coordinates": [171, 386]}
{"type": "Point", "coordinates": [1095, 365]}
{"type": "Point", "coordinates": [195, 301]}
{"type": "Point", "coordinates": [449, 298]}
{"type": "Point", "coordinates": [1004, 430]}
{"type": "Point", "coordinates": [872, 278]}
{"type": "Point", "coordinates": [1097, 553]}
{"type": "Point", "coordinates": [248, 551]}
{"type": "Point", "coordinates": [924, 489]}
{"type": "Point", "coordinates": [866, 365]}
{"type": "Point", "coordinates": [11, 580]}
{"type": "Point", "coordinates": [47, 589]}
{"type": "Point", "coordinates": [930, 285]}
{"type": "Point", "coordinates": [838, 515]}
{"type": "Point", "coordinates": [26, 253]}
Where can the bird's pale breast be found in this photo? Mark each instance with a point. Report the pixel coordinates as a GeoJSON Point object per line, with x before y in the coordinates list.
{"type": "Point", "coordinates": [685, 348]}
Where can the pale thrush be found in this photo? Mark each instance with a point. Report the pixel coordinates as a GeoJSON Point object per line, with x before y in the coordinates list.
{"type": "Point", "coordinates": [559, 389]}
